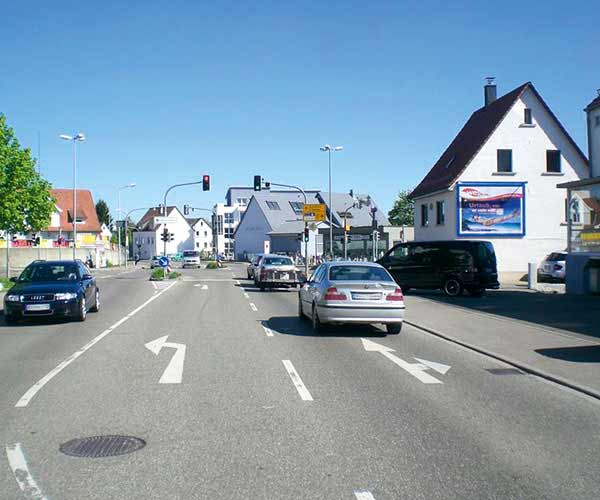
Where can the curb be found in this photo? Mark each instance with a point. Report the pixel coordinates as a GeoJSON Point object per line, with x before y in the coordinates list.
{"type": "Point", "coordinates": [588, 391]}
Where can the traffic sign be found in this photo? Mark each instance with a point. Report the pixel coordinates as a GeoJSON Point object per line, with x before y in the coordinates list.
{"type": "Point", "coordinates": [164, 220]}
{"type": "Point", "coordinates": [163, 261]}
{"type": "Point", "coordinates": [314, 212]}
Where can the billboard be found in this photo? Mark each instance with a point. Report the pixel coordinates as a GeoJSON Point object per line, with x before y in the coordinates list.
{"type": "Point", "coordinates": [491, 209]}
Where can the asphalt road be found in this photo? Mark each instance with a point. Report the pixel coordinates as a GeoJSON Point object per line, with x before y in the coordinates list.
{"type": "Point", "coordinates": [267, 410]}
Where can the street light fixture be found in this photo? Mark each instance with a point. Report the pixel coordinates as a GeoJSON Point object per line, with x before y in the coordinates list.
{"type": "Point", "coordinates": [74, 139]}
{"type": "Point", "coordinates": [130, 185]}
{"type": "Point", "coordinates": [330, 149]}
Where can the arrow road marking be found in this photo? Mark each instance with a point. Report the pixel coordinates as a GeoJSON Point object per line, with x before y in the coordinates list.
{"type": "Point", "coordinates": [364, 495]}
{"type": "Point", "coordinates": [18, 464]}
{"type": "Point", "coordinates": [417, 370]}
{"type": "Point", "coordinates": [246, 295]}
{"type": "Point", "coordinates": [300, 387]}
{"type": "Point", "coordinates": [202, 287]}
{"type": "Point", "coordinates": [438, 367]}
{"type": "Point", "coordinates": [174, 371]}
{"type": "Point", "coordinates": [253, 307]}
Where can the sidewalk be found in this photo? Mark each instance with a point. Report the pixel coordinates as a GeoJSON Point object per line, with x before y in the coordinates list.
{"type": "Point", "coordinates": [552, 335]}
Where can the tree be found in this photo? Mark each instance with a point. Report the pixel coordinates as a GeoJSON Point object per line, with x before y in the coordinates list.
{"type": "Point", "coordinates": [26, 202]}
{"type": "Point", "coordinates": [403, 211]}
{"type": "Point", "coordinates": [103, 212]}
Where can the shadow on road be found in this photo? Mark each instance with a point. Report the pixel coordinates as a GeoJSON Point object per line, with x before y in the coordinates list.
{"type": "Point", "coordinates": [578, 354]}
{"type": "Point", "coordinates": [292, 325]}
{"type": "Point", "coordinates": [567, 312]}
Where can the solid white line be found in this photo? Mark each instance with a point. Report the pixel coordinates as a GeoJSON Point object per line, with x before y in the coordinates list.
{"type": "Point", "coordinates": [300, 387]}
{"type": "Point", "coordinates": [20, 469]}
{"type": "Point", "coordinates": [246, 295]}
{"type": "Point", "coordinates": [253, 307]}
{"type": "Point", "coordinates": [364, 495]}
{"type": "Point", "coordinates": [174, 371]}
{"type": "Point", "coordinates": [35, 388]}
{"type": "Point", "coordinates": [268, 331]}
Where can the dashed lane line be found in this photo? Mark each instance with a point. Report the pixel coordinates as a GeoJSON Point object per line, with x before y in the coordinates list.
{"type": "Point", "coordinates": [253, 307]}
{"type": "Point", "coordinates": [35, 388]}
{"type": "Point", "coordinates": [297, 381]}
{"type": "Point", "coordinates": [20, 469]}
{"type": "Point", "coordinates": [364, 495]}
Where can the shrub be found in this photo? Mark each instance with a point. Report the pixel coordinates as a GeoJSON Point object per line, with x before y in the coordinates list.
{"type": "Point", "coordinates": [173, 275]}
{"type": "Point", "coordinates": [212, 265]}
{"type": "Point", "coordinates": [5, 284]}
{"type": "Point", "coordinates": [157, 275]}
{"type": "Point", "coordinates": [109, 263]}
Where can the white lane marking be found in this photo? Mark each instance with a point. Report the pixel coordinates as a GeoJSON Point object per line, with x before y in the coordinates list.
{"type": "Point", "coordinates": [237, 282]}
{"type": "Point", "coordinates": [154, 285]}
{"type": "Point", "coordinates": [253, 307]}
{"type": "Point", "coordinates": [20, 469]}
{"type": "Point", "coordinates": [438, 367]}
{"type": "Point", "coordinates": [268, 331]}
{"type": "Point", "coordinates": [202, 287]}
{"type": "Point", "coordinates": [364, 495]}
{"type": "Point", "coordinates": [174, 371]}
{"type": "Point", "coordinates": [35, 388]}
{"type": "Point", "coordinates": [246, 295]}
{"type": "Point", "coordinates": [300, 387]}
{"type": "Point", "coordinates": [417, 370]}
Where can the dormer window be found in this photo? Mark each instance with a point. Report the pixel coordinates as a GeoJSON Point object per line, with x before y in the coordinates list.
{"type": "Point", "coordinates": [527, 120]}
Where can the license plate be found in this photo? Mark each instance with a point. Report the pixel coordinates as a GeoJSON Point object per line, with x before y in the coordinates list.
{"type": "Point", "coordinates": [366, 296]}
{"type": "Point", "coordinates": [37, 307]}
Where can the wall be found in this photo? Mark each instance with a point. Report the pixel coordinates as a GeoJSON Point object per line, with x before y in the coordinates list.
{"type": "Point", "coordinates": [252, 231]}
{"type": "Point", "coordinates": [21, 257]}
{"type": "Point", "coordinates": [594, 141]}
{"type": "Point", "coordinates": [546, 229]}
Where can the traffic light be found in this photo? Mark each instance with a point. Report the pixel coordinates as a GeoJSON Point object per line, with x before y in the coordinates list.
{"type": "Point", "coordinates": [349, 239]}
{"type": "Point", "coordinates": [165, 235]}
{"type": "Point", "coordinates": [206, 182]}
{"type": "Point", "coordinates": [171, 237]}
{"type": "Point", "coordinates": [186, 210]}
{"type": "Point", "coordinates": [257, 183]}
{"type": "Point", "coordinates": [306, 234]}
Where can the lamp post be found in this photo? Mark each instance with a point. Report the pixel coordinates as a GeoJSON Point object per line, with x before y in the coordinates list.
{"type": "Point", "coordinates": [330, 149]}
{"type": "Point", "coordinates": [74, 139]}
{"type": "Point", "coordinates": [119, 189]}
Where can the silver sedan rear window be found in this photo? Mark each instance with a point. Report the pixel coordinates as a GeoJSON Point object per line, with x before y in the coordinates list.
{"type": "Point", "coordinates": [358, 273]}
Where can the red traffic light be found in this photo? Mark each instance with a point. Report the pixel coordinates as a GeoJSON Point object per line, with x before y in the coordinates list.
{"type": "Point", "coordinates": [206, 183]}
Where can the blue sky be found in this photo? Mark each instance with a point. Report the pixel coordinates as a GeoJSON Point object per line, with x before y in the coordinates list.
{"type": "Point", "coordinates": [168, 91]}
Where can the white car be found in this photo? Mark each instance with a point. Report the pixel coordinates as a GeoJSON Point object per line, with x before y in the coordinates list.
{"type": "Point", "coordinates": [191, 258]}
{"type": "Point", "coordinates": [553, 267]}
{"type": "Point", "coordinates": [154, 261]}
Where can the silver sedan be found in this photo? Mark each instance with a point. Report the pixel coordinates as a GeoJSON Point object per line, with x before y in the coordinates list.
{"type": "Point", "coordinates": [352, 292]}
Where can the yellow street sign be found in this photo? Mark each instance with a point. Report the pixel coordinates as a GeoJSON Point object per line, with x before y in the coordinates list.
{"type": "Point", "coordinates": [313, 213]}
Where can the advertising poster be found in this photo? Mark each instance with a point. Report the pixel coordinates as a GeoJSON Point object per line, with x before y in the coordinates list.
{"type": "Point", "coordinates": [491, 209]}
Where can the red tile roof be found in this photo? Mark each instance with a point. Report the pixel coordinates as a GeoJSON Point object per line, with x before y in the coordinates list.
{"type": "Point", "coordinates": [86, 211]}
{"type": "Point", "coordinates": [471, 139]}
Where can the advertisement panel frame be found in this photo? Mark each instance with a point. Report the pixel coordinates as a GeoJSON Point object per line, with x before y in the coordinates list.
{"type": "Point", "coordinates": [522, 234]}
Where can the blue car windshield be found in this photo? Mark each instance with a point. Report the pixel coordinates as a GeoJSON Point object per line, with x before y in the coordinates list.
{"type": "Point", "coordinates": [49, 272]}
{"type": "Point", "coordinates": [358, 273]}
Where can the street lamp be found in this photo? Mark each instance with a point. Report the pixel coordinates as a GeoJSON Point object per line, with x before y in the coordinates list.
{"type": "Point", "coordinates": [330, 149]}
{"type": "Point", "coordinates": [74, 139]}
{"type": "Point", "coordinates": [130, 185]}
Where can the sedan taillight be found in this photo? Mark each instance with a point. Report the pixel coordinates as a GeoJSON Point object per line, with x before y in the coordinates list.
{"type": "Point", "coordinates": [263, 274]}
{"type": "Point", "coordinates": [557, 267]}
{"type": "Point", "coordinates": [395, 296]}
{"type": "Point", "coordinates": [333, 294]}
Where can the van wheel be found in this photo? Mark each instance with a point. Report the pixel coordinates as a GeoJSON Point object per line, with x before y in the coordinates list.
{"type": "Point", "coordinates": [452, 287]}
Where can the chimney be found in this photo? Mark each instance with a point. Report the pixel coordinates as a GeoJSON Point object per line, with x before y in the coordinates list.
{"type": "Point", "coordinates": [489, 91]}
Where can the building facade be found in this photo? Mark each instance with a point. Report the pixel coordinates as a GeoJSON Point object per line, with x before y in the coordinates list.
{"type": "Point", "coordinates": [203, 235]}
{"type": "Point", "coordinates": [497, 180]}
{"type": "Point", "coordinates": [147, 237]}
{"type": "Point", "coordinates": [227, 216]}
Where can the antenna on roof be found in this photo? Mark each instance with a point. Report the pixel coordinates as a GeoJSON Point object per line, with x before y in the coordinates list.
{"type": "Point", "coordinates": [490, 80]}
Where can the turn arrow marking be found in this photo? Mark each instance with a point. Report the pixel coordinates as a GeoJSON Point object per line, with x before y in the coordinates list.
{"type": "Point", "coordinates": [174, 371]}
{"type": "Point", "coordinates": [417, 370]}
{"type": "Point", "coordinates": [438, 367]}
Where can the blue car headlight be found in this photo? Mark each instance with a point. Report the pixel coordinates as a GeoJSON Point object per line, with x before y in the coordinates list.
{"type": "Point", "coordinates": [65, 296]}
{"type": "Point", "coordinates": [13, 298]}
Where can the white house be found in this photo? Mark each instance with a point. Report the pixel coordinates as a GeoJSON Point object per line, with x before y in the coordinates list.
{"type": "Point", "coordinates": [147, 239]}
{"type": "Point", "coordinates": [203, 235]}
{"type": "Point", "coordinates": [226, 217]}
{"type": "Point", "coordinates": [497, 180]}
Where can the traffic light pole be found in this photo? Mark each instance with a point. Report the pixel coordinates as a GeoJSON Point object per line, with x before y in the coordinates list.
{"type": "Point", "coordinates": [305, 223]}
{"type": "Point", "coordinates": [164, 207]}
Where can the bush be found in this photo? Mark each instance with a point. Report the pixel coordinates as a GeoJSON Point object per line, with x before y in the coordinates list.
{"type": "Point", "coordinates": [5, 284]}
{"type": "Point", "coordinates": [109, 263]}
{"type": "Point", "coordinates": [157, 275]}
{"type": "Point", "coordinates": [212, 265]}
{"type": "Point", "coordinates": [173, 275]}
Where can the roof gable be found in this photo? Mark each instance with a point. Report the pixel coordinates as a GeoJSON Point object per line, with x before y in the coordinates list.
{"type": "Point", "coordinates": [472, 137]}
{"type": "Point", "coordinates": [85, 212]}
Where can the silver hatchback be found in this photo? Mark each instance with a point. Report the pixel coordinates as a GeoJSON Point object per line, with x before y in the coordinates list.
{"type": "Point", "coordinates": [352, 292]}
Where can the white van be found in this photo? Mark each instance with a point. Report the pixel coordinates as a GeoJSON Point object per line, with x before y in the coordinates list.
{"type": "Point", "coordinates": [191, 258]}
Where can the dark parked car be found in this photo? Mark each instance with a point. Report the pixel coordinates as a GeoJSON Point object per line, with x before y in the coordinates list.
{"type": "Point", "coordinates": [453, 266]}
{"type": "Point", "coordinates": [56, 289]}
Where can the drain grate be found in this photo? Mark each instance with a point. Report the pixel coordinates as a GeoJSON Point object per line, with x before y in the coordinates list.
{"type": "Point", "coordinates": [102, 446]}
{"type": "Point", "coordinates": [505, 371]}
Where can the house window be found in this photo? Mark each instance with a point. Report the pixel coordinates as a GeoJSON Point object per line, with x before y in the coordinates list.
{"type": "Point", "coordinates": [206, 234]}
{"type": "Point", "coordinates": [575, 214]}
{"type": "Point", "coordinates": [440, 211]}
{"type": "Point", "coordinates": [197, 233]}
{"type": "Point", "coordinates": [242, 201]}
{"type": "Point", "coordinates": [273, 205]}
{"type": "Point", "coordinates": [505, 160]}
{"type": "Point", "coordinates": [197, 245]}
{"type": "Point", "coordinates": [219, 224]}
{"type": "Point", "coordinates": [424, 215]}
{"type": "Point", "coordinates": [553, 161]}
{"type": "Point", "coordinates": [229, 218]}
{"type": "Point", "coordinates": [527, 116]}
{"type": "Point", "coordinates": [228, 232]}
{"type": "Point", "coordinates": [297, 206]}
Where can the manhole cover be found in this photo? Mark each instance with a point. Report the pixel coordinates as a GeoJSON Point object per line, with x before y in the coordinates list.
{"type": "Point", "coordinates": [504, 371]}
{"type": "Point", "coordinates": [102, 446]}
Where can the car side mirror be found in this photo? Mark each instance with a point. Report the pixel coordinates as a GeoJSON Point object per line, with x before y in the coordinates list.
{"type": "Point", "coordinates": [14, 279]}
{"type": "Point", "coordinates": [87, 277]}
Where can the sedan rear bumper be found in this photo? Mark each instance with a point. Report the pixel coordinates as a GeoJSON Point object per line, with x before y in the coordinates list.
{"type": "Point", "coordinates": [360, 314]}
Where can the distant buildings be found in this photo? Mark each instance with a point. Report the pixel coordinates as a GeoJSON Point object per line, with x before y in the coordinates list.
{"type": "Point", "coordinates": [497, 180]}
{"type": "Point", "coordinates": [226, 217]}
{"type": "Point", "coordinates": [202, 234]}
{"type": "Point", "coordinates": [147, 238]}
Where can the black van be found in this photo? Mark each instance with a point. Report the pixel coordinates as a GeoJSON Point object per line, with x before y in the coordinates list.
{"type": "Point", "coordinates": [453, 266]}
